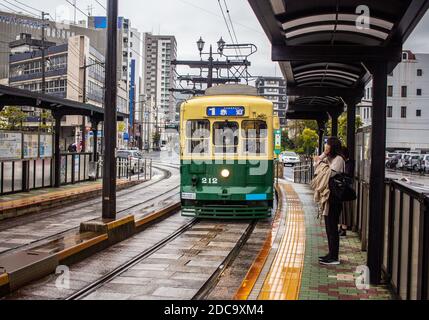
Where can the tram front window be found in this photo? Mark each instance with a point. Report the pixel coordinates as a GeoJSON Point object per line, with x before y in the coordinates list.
{"type": "Point", "coordinates": [197, 136]}
{"type": "Point", "coordinates": [255, 136]}
{"type": "Point", "coordinates": [225, 138]}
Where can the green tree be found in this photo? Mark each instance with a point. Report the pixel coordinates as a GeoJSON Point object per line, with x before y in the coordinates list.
{"type": "Point", "coordinates": [342, 127]}
{"type": "Point", "coordinates": [12, 118]}
{"type": "Point", "coordinates": [310, 140]}
{"type": "Point", "coordinates": [156, 137]}
{"type": "Point", "coordinates": [287, 144]}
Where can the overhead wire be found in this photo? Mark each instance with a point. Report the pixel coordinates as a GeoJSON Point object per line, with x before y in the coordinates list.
{"type": "Point", "coordinates": [20, 8]}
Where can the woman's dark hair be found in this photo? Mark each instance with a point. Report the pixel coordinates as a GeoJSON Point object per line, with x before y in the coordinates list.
{"type": "Point", "coordinates": [336, 147]}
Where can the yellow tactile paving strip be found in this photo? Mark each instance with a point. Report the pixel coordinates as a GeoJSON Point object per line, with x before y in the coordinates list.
{"type": "Point", "coordinates": [283, 280]}
{"type": "Point", "coordinates": [252, 275]}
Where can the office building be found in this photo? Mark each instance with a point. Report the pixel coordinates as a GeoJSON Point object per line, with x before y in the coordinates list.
{"type": "Point", "coordinates": [407, 104]}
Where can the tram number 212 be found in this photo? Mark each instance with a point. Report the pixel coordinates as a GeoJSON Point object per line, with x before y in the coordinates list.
{"type": "Point", "coordinates": [209, 180]}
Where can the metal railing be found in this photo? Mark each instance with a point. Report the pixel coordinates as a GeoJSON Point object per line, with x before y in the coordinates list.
{"type": "Point", "coordinates": [303, 172]}
{"type": "Point", "coordinates": [28, 174]}
{"type": "Point", "coordinates": [406, 236]}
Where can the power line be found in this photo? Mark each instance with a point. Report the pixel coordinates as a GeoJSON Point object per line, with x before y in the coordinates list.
{"type": "Point", "coordinates": [232, 25]}
{"type": "Point", "coordinates": [23, 10]}
{"type": "Point", "coordinates": [101, 5]}
{"type": "Point", "coordinates": [226, 23]}
{"type": "Point", "coordinates": [77, 8]}
{"type": "Point", "coordinates": [13, 10]}
{"type": "Point", "coordinates": [26, 5]}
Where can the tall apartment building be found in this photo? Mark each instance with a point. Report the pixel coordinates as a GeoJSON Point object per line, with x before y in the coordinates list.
{"type": "Point", "coordinates": [65, 78]}
{"type": "Point", "coordinates": [158, 79]}
{"type": "Point", "coordinates": [274, 89]}
{"type": "Point", "coordinates": [407, 104]}
{"type": "Point", "coordinates": [12, 25]}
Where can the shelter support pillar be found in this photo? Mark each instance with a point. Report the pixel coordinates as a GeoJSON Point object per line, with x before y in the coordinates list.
{"type": "Point", "coordinates": [321, 132]}
{"type": "Point", "coordinates": [351, 128]}
{"type": "Point", "coordinates": [57, 152]}
{"type": "Point", "coordinates": [376, 188]}
{"type": "Point", "coordinates": [334, 123]}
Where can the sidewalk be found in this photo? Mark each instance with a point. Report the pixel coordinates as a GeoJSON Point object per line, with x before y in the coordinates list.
{"type": "Point", "coordinates": [333, 282]}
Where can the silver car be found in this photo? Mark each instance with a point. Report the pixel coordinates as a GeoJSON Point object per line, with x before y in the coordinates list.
{"type": "Point", "coordinates": [289, 158]}
{"type": "Point", "coordinates": [136, 158]}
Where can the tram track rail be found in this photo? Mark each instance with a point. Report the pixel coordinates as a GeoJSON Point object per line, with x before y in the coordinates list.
{"type": "Point", "coordinates": [206, 288]}
{"type": "Point", "coordinates": [53, 237]}
{"type": "Point", "coordinates": [81, 294]}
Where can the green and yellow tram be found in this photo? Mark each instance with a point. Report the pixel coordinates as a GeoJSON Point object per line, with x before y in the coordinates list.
{"type": "Point", "coordinates": [227, 154]}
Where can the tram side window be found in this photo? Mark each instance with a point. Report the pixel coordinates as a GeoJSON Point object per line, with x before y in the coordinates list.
{"type": "Point", "coordinates": [225, 136]}
{"type": "Point", "coordinates": [255, 134]}
{"type": "Point", "coordinates": [197, 136]}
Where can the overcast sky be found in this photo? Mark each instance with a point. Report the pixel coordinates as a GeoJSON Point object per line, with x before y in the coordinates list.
{"type": "Point", "coordinates": [190, 19]}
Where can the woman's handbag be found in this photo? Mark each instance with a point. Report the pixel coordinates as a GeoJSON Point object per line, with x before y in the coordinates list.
{"type": "Point", "coordinates": [341, 187]}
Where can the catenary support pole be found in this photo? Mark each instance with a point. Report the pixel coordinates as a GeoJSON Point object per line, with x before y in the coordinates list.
{"type": "Point", "coordinates": [109, 167]}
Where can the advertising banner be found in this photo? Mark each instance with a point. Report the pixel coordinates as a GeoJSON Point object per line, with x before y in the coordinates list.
{"type": "Point", "coordinates": [45, 146]}
{"type": "Point", "coordinates": [10, 145]}
{"type": "Point", "coordinates": [31, 145]}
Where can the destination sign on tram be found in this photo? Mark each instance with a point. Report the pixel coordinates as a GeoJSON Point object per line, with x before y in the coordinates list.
{"type": "Point", "coordinates": [225, 111]}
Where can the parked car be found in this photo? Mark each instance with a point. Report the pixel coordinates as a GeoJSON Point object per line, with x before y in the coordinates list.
{"type": "Point", "coordinates": [390, 156]}
{"type": "Point", "coordinates": [393, 161]}
{"type": "Point", "coordinates": [425, 162]}
{"type": "Point", "coordinates": [289, 158]}
{"type": "Point", "coordinates": [412, 162]}
{"type": "Point", "coordinates": [402, 160]}
{"type": "Point", "coordinates": [135, 157]}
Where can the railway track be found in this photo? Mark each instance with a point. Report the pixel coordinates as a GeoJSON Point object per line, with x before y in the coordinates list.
{"type": "Point", "coordinates": [169, 192]}
{"type": "Point", "coordinates": [204, 290]}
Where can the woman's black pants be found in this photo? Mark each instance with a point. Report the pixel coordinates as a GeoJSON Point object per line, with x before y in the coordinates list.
{"type": "Point", "coordinates": [331, 224]}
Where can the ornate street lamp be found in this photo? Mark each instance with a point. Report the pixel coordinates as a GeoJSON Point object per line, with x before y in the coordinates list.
{"type": "Point", "coordinates": [200, 44]}
{"type": "Point", "coordinates": [220, 45]}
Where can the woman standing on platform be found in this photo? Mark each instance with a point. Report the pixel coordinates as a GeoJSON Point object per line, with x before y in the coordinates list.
{"type": "Point", "coordinates": [333, 157]}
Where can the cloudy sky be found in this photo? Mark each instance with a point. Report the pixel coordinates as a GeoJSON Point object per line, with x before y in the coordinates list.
{"type": "Point", "coordinates": [190, 19]}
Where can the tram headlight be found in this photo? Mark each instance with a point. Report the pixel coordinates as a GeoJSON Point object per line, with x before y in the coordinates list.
{"type": "Point", "coordinates": [224, 173]}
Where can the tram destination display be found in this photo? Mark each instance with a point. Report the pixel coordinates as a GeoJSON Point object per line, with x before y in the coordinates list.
{"type": "Point", "coordinates": [225, 111]}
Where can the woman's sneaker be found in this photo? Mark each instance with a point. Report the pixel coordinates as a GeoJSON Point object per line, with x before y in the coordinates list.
{"type": "Point", "coordinates": [324, 257]}
{"type": "Point", "coordinates": [329, 262]}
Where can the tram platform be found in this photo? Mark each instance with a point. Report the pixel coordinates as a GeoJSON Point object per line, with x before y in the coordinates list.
{"type": "Point", "coordinates": [287, 268]}
{"type": "Point", "coordinates": [36, 200]}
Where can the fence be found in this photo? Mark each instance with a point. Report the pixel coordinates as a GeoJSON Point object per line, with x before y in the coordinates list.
{"type": "Point", "coordinates": [27, 174]}
{"type": "Point", "coordinates": [303, 172]}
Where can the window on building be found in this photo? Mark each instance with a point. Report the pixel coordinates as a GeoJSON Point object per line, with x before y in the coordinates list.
{"type": "Point", "coordinates": [418, 113]}
{"type": "Point", "coordinates": [390, 91]}
{"type": "Point", "coordinates": [419, 72]}
{"type": "Point", "coordinates": [389, 111]}
{"type": "Point", "coordinates": [404, 56]}
{"type": "Point", "coordinates": [419, 92]}
{"type": "Point", "coordinates": [404, 91]}
{"type": "Point", "coordinates": [403, 112]}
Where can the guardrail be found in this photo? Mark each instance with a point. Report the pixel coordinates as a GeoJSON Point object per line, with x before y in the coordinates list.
{"type": "Point", "coordinates": [303, 172]}
{"type": "Point", "coordinates": [28, 174]}
{"type": "Point", "coordinates": [406, 236]}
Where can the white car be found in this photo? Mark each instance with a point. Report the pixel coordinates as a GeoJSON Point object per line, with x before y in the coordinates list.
{"type": "Point", "coordinates": [289, 158]}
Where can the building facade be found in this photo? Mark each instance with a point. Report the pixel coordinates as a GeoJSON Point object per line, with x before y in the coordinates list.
{"type": "Point", "coordinates": [12, 25]}
{"type": "Point", "coordinates": [407, 104]}
{"type": "Point", "coordinates": [73, 71]}
{"type": "Point", "coordinates": [158, 79]}
{"type": "Point", "coordinates": [274, 89]}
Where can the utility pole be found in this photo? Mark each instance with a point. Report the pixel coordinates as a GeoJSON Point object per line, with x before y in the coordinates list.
{"type": "Point", "coordinates": [84, 101]}
{"type": "Point", "coordinates": [110, 97]}
{"type": "Point", "coordinates": [43, 52]}
{"type": "Point", "coordinates": [210, 74]}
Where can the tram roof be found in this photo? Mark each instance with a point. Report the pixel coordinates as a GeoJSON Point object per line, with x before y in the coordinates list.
{"type": "Point", "coordinates": [323, 48]}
